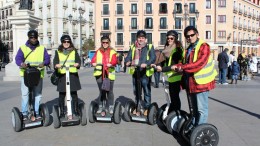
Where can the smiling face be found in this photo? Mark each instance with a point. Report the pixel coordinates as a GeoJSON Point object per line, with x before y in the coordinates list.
{"type": "Point", "coordinates": [33, 40]}
{"type": "Point", "coordinates": [170, 39]}
{"type": "Point", "coordinates": [66, 43]}
{"type": "Point", "coordinates": [105, 43]}
{"type": "Point", "coordinates": [141, 40]}
{"type": "Point", "coordinates": [191, 36]}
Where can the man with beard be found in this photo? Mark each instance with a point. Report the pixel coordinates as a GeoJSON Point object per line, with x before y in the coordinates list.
{"type": "Point", "coordinates": [143, 55]}
{"type": "Point", "coordinates": [36, 55]}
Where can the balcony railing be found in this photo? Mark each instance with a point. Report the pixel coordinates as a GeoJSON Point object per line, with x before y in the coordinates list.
{"type": "Point", "coordinates": [134, 12]}
{"type": "Point", "coordinates": [249, 15]}
{"type": "Point", "coordinates": [177, 26]}
{"type": "Point", "coordinates": [148, 12]}
{"type": "Point", "coordinates": [234, 25]}
{"type": "Point", "coordinates": [105, 12]}
{"type": "Point", "coordinates": [105, 27]}
{"type": "Point", "coordinates": [240, 11]}
{"type": "Point", "coordinates": [235, 9]}
{"type": "Point", "coordinates": [133, 27]}
{"type": "Point", "coordinates": [119, 28]}
{"type": "Point", "coordinates": [119, 12]}
{"type": "Point", "coordinates": [163, 26]}
{"type": "Point", "coordinates": [244, 27]}
{"type": "Point", "coordinates": [148, 27]}
{"type": "Point", "coordinates": [121, 43]}
{"type": "Point", "coordinates": [240, 26]}
{"type": "Point", "coordinates": [249, 28]}
{"type": "Point", "coordinates": [163, 12]}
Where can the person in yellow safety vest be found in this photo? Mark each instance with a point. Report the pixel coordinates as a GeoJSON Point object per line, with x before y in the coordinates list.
{"type": "Point", "coordinates": [172, 54]}
{"type": "Point", "coordinates": [198, 73]}
{"type": "Point", "coordinates": [143, 55]}
{"type": "Point", "coordinates": [106, 56]}
{"type": "Point", "coordinates": [67, 52]}
{"type": "Point", "coordinates": [36, 55]}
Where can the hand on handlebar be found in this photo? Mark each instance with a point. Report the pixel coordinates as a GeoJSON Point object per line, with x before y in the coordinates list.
{"type": "Point", "coordinates": [76, 65]}
{"type": "Point", "coordinates": [57, 66]}
{"type": "Point", "coordinates": [143, 65]}
{"type": "Point", "coordinates": [41, 65]}
{"type": "Point", "coordinates": [109, 65]}
{"type": "Point", "coordinates": [94, 64]}
{"type": "Point", "coordinates": [23, 65]}
{"type": "Point", "coordinates": [128, 63]}
{"type": "Point", "coordinates": [158, 68]}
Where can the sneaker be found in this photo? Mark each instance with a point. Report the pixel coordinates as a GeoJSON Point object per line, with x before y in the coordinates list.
{"type": "Point", "coordinates": [25, 117]}
{"type": "Point", "coordinates": [134, 112]}
{"type": "Point", "coordinates": [38, 117]}
{"type": "Point", "coordinates": [224, 83]}
{"type": "Point", "coordinates": [219, 83]}
{"type": "Point", "coordinates": [99, 109]}
{"type": "Point", "coordinates": [111, 110]}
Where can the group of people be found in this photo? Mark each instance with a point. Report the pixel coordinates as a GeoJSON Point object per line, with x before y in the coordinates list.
{"type": "Point", "coordinates": [190, 68]}
{"type": "Point", "coordinates": [236, 68]}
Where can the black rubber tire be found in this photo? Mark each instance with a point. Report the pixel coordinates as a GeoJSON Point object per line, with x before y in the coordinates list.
{"type": "Point", "coordinates": [93, 107]}
{"type": "Point", "coordinates": [130, 105]}
{"type": "Point", "coordinates": [44, 111]}
{"type": "Point", "coordinates": [56, 116]}
{"type": "Point", "coordinates": [16, 119]}
{"type": "Point", "coordinates": [83, 114]}
{"type": "Point", "coordinates": [117, 113]}
{"type": "Point", "coordinates": [204, 135]}
{"type": "Point", "coordinates": [152, 114]}
{"type": "Point", "coordinates": [160, 113]}
{"type": "Point", "coordinates": [168, 122]}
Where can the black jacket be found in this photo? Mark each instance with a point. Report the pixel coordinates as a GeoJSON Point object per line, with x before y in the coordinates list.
{"type": "Point", "coordinates": [223, 60]}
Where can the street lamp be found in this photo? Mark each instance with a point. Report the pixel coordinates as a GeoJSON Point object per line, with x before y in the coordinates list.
{"type": "Point", "coordinates": [81, 21]}
{"type": "Point", "coordinates": [186, 15]}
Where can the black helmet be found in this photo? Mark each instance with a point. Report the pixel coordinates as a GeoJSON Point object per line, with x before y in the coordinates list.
{"type": "Point", "coordinates": [141, 33]}
{"type": "Point", "coordinates": [33, 33]}
{"type": "Point", "coordinates": [172, 33]}
{"type": "Point", "coordinates": [65, 37]}
{"type": "Point", "coordinates": [105, 37]}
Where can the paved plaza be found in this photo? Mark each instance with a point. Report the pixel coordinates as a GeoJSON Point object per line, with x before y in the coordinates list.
{"type": "Point", "coordinates": [233, 109]}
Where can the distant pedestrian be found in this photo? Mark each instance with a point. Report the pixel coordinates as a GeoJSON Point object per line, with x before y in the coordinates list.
{"type": "Point", "coordinates": [231, 58]}
{"type": "Point", "coordinates": [223, 65]}
{"type": "Point", "coordinates": [235, 71]}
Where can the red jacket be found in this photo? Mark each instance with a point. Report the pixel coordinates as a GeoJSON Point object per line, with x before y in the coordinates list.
{"type": "Point", "coordinates": [105, 59]}
{"type": "Point", "coordinates": [193, 67]}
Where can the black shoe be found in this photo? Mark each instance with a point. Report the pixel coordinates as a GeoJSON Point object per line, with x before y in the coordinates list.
{"type": "Point", "coordinates": [156, 86]}
{"type": "Point", "coordinates": [25, 117]}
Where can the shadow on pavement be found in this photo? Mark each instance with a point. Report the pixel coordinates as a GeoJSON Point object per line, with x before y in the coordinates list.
{"type": "Point", "coordinates": [238, 108]}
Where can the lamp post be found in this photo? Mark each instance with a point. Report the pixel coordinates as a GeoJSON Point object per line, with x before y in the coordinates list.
{"type": "Point", "coordinates": [81, 21]}
{"type": "Point", "coordinates": [185, 16]}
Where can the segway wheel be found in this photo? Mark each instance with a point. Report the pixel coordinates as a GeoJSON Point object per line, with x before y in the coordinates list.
{"type": "Point", "coordinates": [92, 111]}
{"type": "Point", "coordinates": [160, 113]}
{"type": "Point", "coordinates": [173, 122]}
{"type": "Point", "coordinates": [16, 119]}
{"type": "Point", "coordinates": [129, 107]}
{"type": "Point", "coordinates": [83, 114]}
{"type": "Point", "coordinates": [117, 113]}
{"type": "Point", "coordinates": [56, 119]}
{"type": "Point", "coordinates": [204, 135]}
{"type": "Point", "coordinates": [152, 113]}
{"type": "Point", "coordinates": [44, 111]}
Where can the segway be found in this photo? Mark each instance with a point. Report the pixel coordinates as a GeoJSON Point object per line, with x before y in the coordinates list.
{"type": "Point", "coordinates": [31, 79]}
{"type": "Point", "coordinates": [105, 115]}
{"type": "Point", "coordinates": [171, 122]}
{"type": "Point", "coordinates": [203, 135]}
{"type": "Point", "coordinates": [131, 106]}
{"type": "Point", "coordinates": [58, 119]}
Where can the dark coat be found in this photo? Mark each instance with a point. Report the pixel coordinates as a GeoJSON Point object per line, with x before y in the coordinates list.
{"type": "Point", "coordinates": [74, 77]}
{"type": "Point", "coordinates": [235, 70]}
{"type": "Point", "coordinates": [223, 60]}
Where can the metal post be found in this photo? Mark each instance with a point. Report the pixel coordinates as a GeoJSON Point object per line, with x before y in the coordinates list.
{"type": "Point", "coordinates": [80, 40]}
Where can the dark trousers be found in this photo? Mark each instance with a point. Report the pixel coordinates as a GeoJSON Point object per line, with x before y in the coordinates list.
{"type": "Point", "coordinates": [174, 89]}
{"type": "Point", "coordinates": [105, 95]}
{"type": "Point", "coordinates": [74, 103]}
{"type": "Point", "coordinates": [124, 66]}
{"type": "Point", "coordinates": [157, 78]}
{"type": "Point", "coordinates": [229, 72]}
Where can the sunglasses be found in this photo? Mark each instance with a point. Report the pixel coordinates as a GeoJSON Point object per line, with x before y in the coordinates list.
{"type": "Point", "coordinates": [170, 38]}
{"type": "Point", "coordinates": [191, 35]}
{"type": "Point", "coordinates": [33, 37]}
{"type": "Point", "coordinates": [66, 42]}
{"type": "Point", "coordinates": [104, 42]}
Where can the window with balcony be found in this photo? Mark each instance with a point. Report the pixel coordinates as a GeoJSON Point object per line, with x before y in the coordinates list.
{"type": "Point", "coordinates": [192, 21]}
{"type": "Point", "coordinates": [119, 9]}
{"type": "Point", "coordinates": [105, 24]}
{"type": "Point", "coordinates": [208, 19]}
{"type": "Point", "coordinates": [149, 37]}
{"type": "Point", "coordinates": [105, 9]}
{"type": "Point", "coordinates": [178, 7]}
{"type": "Point", "coordinates": [163, 8]}
{"type": "Point", "coordinates": [163, 38]}
{"type": "Point", "coordinates": [149, 9]}
{"type": "Point", "coordinates": [149, 23]}
{"type": "Point", "coordinates": [177, 23]}
{"type": "Point", "coordinates": [119, 23]}
{"type": "Point", "coordinates": [192, 8]}
{"type": "Point", "coordinates": [119, 39]}
{"type": "Point", "coordinates": [222, 34]}
{"type": "Point", "coordinates": [222, 18]}
{"type": "Point", "coordinates": [208, 34]}
{"type": "Point", "coordinates": [134, 23]}
{"type": "Point", "coordinates": [11, 12]}
{"type": "Point", "coordinates": [221, 3]}
{"type": "Point", "coordinates": [133, 38]}
{"type": "Point", "coordinates": [163, 23]}
{"type": "Point", "coordinates": [208, 4]}
{"type": "Point", "coordinates": [134, 9]}
{"type": "Point", "coordinates": [3, 14]}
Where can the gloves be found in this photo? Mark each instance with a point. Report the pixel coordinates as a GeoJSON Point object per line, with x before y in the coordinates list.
{"type": "Point", "coordinates": [23, 65]}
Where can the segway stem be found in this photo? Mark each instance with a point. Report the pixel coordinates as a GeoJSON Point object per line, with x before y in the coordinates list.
{"type": "Point", "coordinates": [68, 96]}
{"type": "Point", "coordinates": [138, 88]}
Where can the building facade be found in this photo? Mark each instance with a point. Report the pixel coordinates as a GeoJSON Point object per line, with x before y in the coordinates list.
{"type": "Point", "coordinates": [214, 19]}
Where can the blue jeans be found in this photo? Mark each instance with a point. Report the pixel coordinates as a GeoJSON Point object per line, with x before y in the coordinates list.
{"type": "Point", "coordinates": [157, 78]}
{"type": "Point", "coordinates": [200, 106]}
{"type": "Point", "coordinates": [146, 86]}
{"type": "Point", "coordinates": [222, 75]}
{"type": "Point", "coordinates": [118, 67]}
{"type": "Point", "coordinates": [37, 93]}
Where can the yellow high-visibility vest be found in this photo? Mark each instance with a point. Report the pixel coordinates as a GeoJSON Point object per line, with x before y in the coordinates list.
{"type": "Point", "coordinates": [149, 71]}
{"type": "Point", "coordinates": [98, 69]}
{"type": "Point", "coordinates": [208, 73]}
{"type": "Point", "coordinates": [70, 61]}
{"type": "Point", "coordinates": [35, 58]}
{"type": "Point", "coordinates": [172, 75]}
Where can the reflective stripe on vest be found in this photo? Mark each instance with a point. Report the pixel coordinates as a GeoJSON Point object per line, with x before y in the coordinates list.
{"type": "Point", "coordinates": [34, 59]}
{"type": "Point", "coordinates": [208, 73]}
{"type": "Point", "coordinates": [172, 75]}
{"type": "Point", "coordinates": [149, 71]}
{"type": "Point", "coordinates": [70, 61]}
{"type": "Point", "coordinates": [98, 69]}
